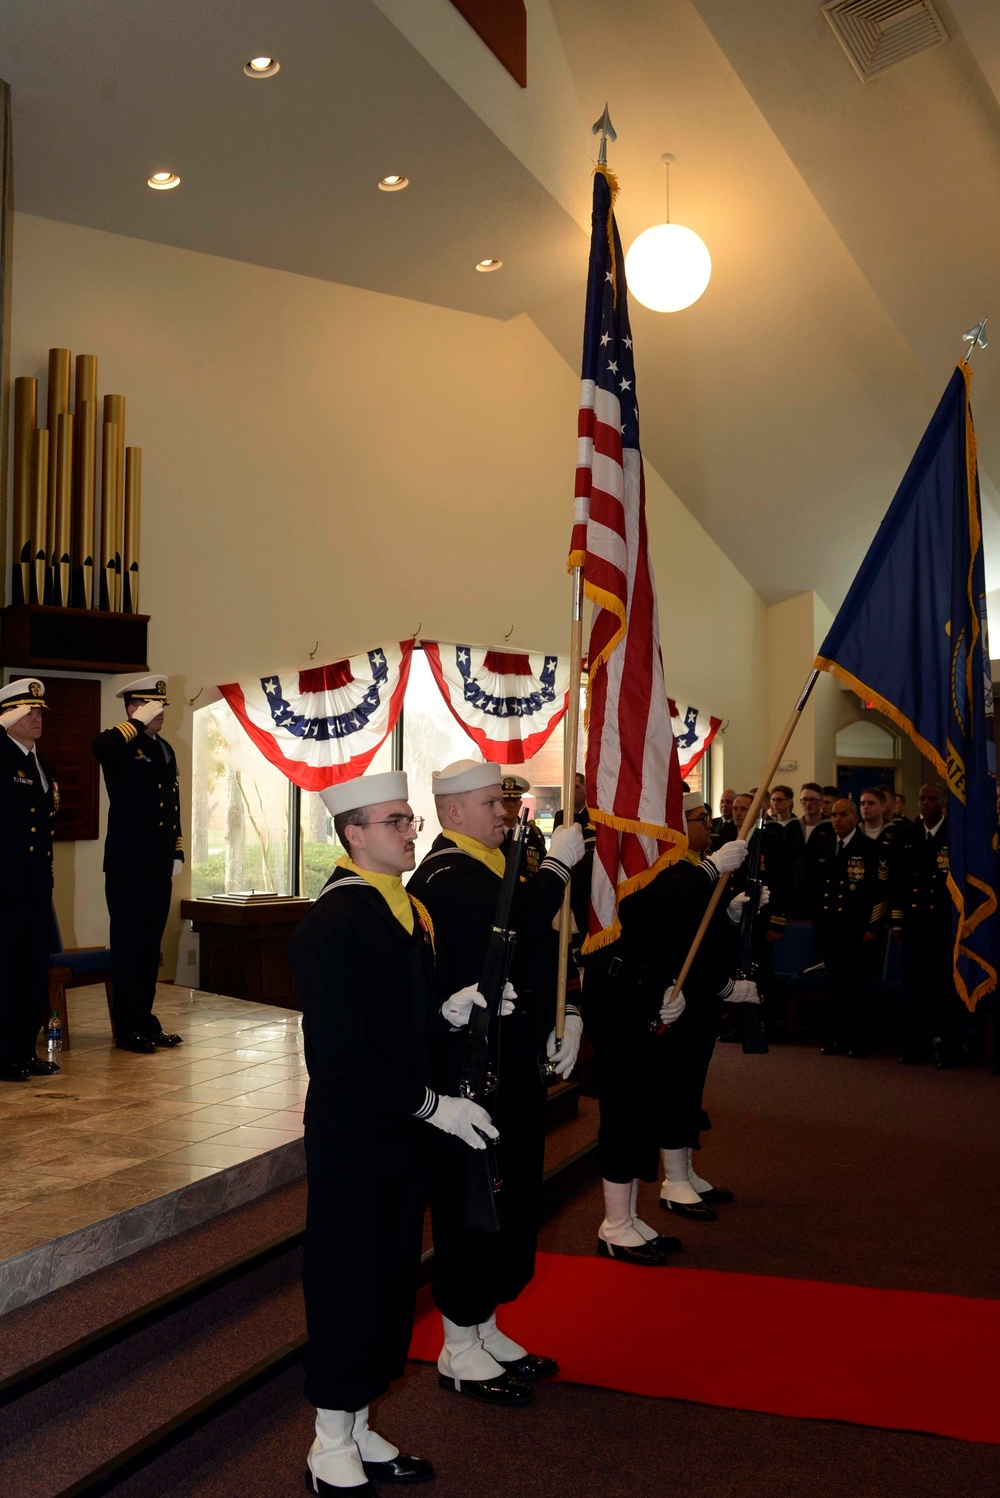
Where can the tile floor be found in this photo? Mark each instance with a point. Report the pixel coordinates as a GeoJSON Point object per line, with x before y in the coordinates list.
{"type": "Point", "coordinates": [116, 1141]}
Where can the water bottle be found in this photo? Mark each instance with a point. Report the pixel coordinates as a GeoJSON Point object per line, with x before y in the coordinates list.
{"type": "Point", "coordinates": [53, 1031]}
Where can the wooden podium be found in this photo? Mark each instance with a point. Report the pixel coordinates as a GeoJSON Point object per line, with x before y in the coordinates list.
{"type": "Point", "coordinates": [243, 947]}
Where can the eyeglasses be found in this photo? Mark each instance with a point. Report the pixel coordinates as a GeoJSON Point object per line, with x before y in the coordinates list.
{"type": "Point", "coordinates": [698, 819]}
{"type": "Point", "coordinates": [401, 824]}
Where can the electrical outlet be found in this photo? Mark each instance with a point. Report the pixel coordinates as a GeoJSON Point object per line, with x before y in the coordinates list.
{"type": "Point", "coordinates": [192, 957]}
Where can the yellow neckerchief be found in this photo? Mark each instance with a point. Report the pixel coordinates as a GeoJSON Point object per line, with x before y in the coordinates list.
{"type": "Point", "coordinates": [390, 887]}
{"type": "Point", "coordinates": [492, 857]}
{"type": "Point", "coordinates": [693, 857]}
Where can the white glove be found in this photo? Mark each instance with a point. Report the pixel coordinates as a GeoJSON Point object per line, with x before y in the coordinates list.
{"type": "Point", "coordinates": [178, 865]}
{"type": "Point", "coordinates": [564, 1059]}
{"type": "Point", "coordinates": [14, 715]}
{"type": "Point", "coordinates": [465, 1119]}
{"type": "Point", "coordinates": [147, 711]}
{"type": "Point", "coordinates": [734, 909]}
{"type": "Point", "coordinates": [458, 1008]}
{"type": "Point", "coordinates": [744, 992]}
{"type": "Point", "coordinates": [673, 1006]}
{"type": "Point", "coordinates": [728, 857]}
{"type": "Point", "coordinates": [566, 845]}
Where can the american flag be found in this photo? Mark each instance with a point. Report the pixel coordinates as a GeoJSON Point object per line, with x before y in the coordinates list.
{"type": "Point", "coordinates": [633, 781]}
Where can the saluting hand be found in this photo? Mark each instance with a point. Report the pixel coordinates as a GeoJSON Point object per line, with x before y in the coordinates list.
{"type": "Point", "coordinates": [14, 715]}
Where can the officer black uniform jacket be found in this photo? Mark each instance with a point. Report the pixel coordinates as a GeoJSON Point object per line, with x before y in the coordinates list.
{"type": "Point", "coordinates": [26, 815]}
{"type": "Point", "coordinates": [366, 990]}
{"type": "Point", "coordinates": [850, 890]}
{"type": "Point", "coordinates": [921, 904]}
{"type": "Point", "coordinates": [144, 820]}
{"type": "Point", "coordinates": [475, 1271]}
{"type": "Point", "coordinates": [724, 830]}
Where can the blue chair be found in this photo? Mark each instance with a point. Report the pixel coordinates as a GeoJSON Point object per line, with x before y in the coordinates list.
{"type": "Point", "coordinates": [73, 968]}
{"type": "Point", "coordinates": [797, 970]}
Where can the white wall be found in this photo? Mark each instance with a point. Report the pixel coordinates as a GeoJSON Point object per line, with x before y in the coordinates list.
{"type": "Point", "coordinates": [325, 463]}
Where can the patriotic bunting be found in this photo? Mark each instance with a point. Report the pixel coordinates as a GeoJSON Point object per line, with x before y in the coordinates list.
{"type": "Point", "coordinates": [693, 732]}
{"type": "Point", "coordinates": [325, 725]}
{"type": "Point", "coordinates": [508, 702]}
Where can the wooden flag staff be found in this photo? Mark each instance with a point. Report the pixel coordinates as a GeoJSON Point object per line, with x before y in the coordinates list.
{"type": "Point", "coordinates": [748, 824]}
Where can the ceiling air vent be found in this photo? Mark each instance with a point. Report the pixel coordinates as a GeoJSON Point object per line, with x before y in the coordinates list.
{"type": "Point", "coordinates": [880, 34]}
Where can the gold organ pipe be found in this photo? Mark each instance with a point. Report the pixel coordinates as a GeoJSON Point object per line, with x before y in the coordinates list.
{"type": "Point", "coordinates": [60, 360]}
{"type": "Point", "coordinates": [25, 417]}
{"type": "Point", "coordinates": [130, 553]}
{"type": "Point", "coordinates": [84, 499]}
{"type": "Point", "coordinates": [114, 413]}
{"type": "Point", "coordinates": [63, 466]}
{"type": "Point", "coordinates": [85, 481]}
{"type": "Point", "coordinates": [109, 458]}
{"type": "Point", "coordinates": [40, 481]}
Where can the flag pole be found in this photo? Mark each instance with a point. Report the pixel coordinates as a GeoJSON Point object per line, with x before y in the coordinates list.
{"type": "Point", "coordinates": [748, 823]}
{"type": "Point", "coordinates": [571, 732]}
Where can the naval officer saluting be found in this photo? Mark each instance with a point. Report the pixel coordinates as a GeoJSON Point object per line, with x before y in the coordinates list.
{"type": "Point", "coordinates": [142, 851]}
{"type": "Point", "coordinates": [29, 799]}
{"type": "Point", "coordinates": [363, 964]}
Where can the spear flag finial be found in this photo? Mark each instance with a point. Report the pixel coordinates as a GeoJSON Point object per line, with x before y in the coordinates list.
{"type": "Point", "coordinates": [604, 128]}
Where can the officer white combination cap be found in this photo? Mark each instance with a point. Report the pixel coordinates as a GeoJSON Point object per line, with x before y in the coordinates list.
{"type": "Point", "coordinates": [515, 786]}
{"type": "Point", "coordinates": [151, 688]}
{"type": "Point", "coordinates": [26, 691]}
{"type": "Point", "coordinates": [365, 790]}
{"type": "Point", "coordinates": [464, 775]}
{"type": "Point", "coordinates": [693, 801]}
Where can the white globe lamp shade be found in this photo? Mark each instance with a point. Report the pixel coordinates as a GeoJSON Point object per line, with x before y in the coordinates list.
{"type": "Point", "coordinates": [667, 267]}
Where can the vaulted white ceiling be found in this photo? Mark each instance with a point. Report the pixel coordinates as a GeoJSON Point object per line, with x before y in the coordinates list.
{"type": "Point", "coordinates": [853, 227]}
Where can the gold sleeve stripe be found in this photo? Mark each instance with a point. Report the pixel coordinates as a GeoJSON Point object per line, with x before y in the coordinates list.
{"type": "Point", "coordinates": [878, 914]}
{"type": "Point", "coordinates": [128, 731]}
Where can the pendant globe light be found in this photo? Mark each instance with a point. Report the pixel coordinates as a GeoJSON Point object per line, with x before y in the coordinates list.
{"type": "Point", "coordinates": [668, 267]}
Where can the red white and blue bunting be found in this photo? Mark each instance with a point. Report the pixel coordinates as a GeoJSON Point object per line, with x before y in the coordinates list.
{"type": "Point", "coordinates": [325, 725]}
{"type": "Point", "coordinates": [507, 701]}
{"type": "Point", "coordinates": [693, 732]}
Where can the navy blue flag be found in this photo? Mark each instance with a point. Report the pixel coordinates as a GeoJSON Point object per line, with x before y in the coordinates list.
{"type": "Point", "coordinates": [911, 638]}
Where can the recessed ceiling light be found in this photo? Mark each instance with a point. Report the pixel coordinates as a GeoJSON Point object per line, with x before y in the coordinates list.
{"type": "Point", "coordinates": [487, 265]}
{"type": "Point", "coordinates": [261, 67]}
{"type": "Point", "coordinates": [163, 180]}
{"type": "Point", "coordinates": [393, 183]}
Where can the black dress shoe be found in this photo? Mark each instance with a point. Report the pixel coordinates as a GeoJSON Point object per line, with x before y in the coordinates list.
{"type": "Point", "coordinates": [165, 1040]}
{"type": "Point", "coordinates": [834, 1049]}
{"type": "Point", "coordinates": [327, 1489]}
{"type": "Point", "coordinates": [665, 1245]}
{"type": "Point", "coordinates": [857, 1054]}
{"type": "Point", "coordinates": [139, 1043]}
{"type": "Point", "coordinates": [400, 1469]}
{"type": "Point", "coordinates": [694, 1211]}
{"type": "Point", "coordinates": [530, 1367]}
{"type": "Point", "coordinates": [915, 1058]}
{"type": "Point", "coordinates": [39, 1068]}
{"type": "Point", "coordinates": [624, 1253]}
{"type": "Point", "coordinates": [14, 1071]}
{"type": "Point", "coordinates": [717, 1196]}
{"type": "Point", "coordinates": [499, 1390]}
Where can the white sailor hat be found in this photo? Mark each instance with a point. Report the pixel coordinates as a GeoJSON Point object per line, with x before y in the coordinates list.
{"type": "Point", "coordinates": [26, 690]}
{"type": "Point", "coordinates": [146, 689]}
{"type": "Point", "coordinates": [464, 775]}
{"type": "Point", "coordinates": [365, 790]}
{"type": "Point", "coordinates": [693, 801]}
{"type": "Point", "coordinates": [514, 787]}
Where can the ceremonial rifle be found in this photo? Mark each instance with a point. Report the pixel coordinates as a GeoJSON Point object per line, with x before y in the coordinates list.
{"type": "Point", "coordinates": [754, 1043]}
{"type": "Point", "coordinates": [482, 1176]}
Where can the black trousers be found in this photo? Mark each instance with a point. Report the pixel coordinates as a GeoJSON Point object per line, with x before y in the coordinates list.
{"type": "Point", "coordinates": [25, 940]}
{"type": "Point", "coordinates": [686, 1057]}
{"type": "Point", "coordinates": [474, 1272]}
{"type": "Point", "coordinates": [138, 905]}
{"type": "Point", "coordinates": [931, 1006]}
{"type": "Point", "coordinates": [851, 966]}
{"type": "Point", "coordinates": [368, 1184]}
{"type": "Point", "coordinates": [618, 1015]}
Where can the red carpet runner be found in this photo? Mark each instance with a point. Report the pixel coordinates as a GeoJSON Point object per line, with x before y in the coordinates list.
{"type": "Point", "coordinates": [894, 1358]}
